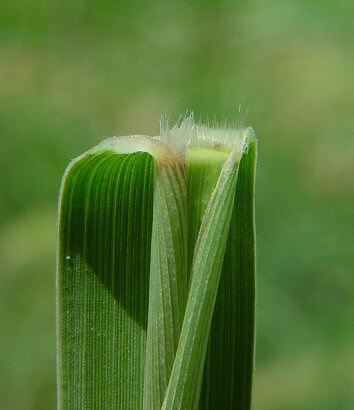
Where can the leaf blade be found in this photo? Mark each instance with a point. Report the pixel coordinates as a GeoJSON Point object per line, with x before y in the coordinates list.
{"type": "Point", "coordinates": [97, 282]}
{"type": "Point", "coordinates": [229, 363]}
{"type": "Point", "coordinates": [183, 390]}
{"type": "Point", "coordinates": [168, 278]}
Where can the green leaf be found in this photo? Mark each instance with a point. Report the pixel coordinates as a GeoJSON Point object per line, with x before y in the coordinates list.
{"type": "Point", "coordinates": [105, 222]}
{"type": "Point", "coordinates": [141, 217]}
{"type": "Point", "coordinates": [103, 272]}
{"type": "Point", "coordinates": [228, 372]}
{"type": "Point", "coordinates": [168, 277]}
{"type": "Point", "coordinates": [186, 377]}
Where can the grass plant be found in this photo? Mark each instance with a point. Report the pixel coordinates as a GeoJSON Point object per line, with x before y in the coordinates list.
{"type": "Point", "coordinates": [156, 272]}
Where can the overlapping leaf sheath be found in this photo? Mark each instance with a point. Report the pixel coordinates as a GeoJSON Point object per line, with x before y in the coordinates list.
{"type": "Point", "coordinates": [168, 277]}
{"type": "Point", "coordinates": [156, 272]}
{"type": "Point", "coordinates": [229, 366]}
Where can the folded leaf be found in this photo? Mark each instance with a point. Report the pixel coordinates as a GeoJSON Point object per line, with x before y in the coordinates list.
{"type": "Point", "coordinates": [229, 366]}
{"type": "Point", "coordinates": [168, 275]}
{"type": "Point", "coordinates": [186, 377]}
{"type": "Point", "coordinates": [155, 282]}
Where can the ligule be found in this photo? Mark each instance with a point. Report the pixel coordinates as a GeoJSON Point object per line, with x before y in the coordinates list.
{"type": "Point", "coordinates": [156, 272]}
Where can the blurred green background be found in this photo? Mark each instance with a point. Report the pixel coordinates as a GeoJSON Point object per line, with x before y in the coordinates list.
{"type": "Point", "coordinates": [75, 71]}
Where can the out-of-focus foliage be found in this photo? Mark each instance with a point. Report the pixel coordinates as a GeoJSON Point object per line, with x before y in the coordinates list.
{"type": "Point", "coordinates": [72, 72]}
